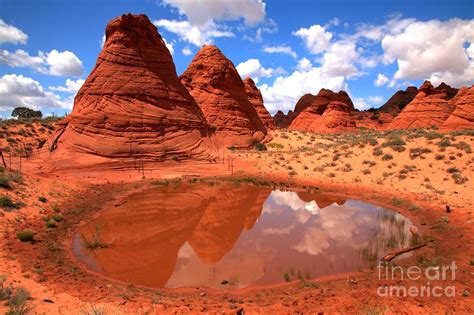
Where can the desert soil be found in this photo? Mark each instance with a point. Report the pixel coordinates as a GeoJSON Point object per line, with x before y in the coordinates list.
{"type": "Point", "coordinates": [417, 173]}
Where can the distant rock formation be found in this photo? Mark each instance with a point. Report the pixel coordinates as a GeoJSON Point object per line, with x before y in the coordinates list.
{"type": "Point", "coordinates": [256, 99]}
{"type": "Point", "coordinates": [279, 119]}
{"type": "Point", "coordinates": [431, 107]}
{"type": "Point", "coordinates": [133, 104]}
{"type": "Point", "coordinates": [327, 112]}
{"type": "Point", "coordinates": [399, 100]}
{"type": "Point", "coordinates": [321, 100]}
{"type": "Point", "coordinates": [462, 116]}
{"type": "Point", "coordinates": [216, 86]}
{"type": "Point", "coordinates": [337, 117]}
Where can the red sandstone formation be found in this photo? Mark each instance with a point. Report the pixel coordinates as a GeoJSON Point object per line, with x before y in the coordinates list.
{"type": "Point", "coordinates": [337, 117]}
{"type": "Point", "coordinates": [463, 115]}
{"type": "Point", "coordinates": [133, 104]}
{"type": "Point", "coordinates": [279, 119]}
{"type": "Point", "coordinates": [431, 106]}
{"type": "Point", "coordinates": [216, 86]}
{"type": "Point", "coordinates": [327, 112]}
{"type": "Point", "coordinates": [320, 101]}
{"type": "Point", "coordinates": [399, 100]}
{"type": "Point", "coordinates": [256, 99]}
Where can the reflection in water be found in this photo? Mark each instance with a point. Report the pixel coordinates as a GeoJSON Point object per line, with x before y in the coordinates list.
{"type": "Point", "coordinates": [206, 235]}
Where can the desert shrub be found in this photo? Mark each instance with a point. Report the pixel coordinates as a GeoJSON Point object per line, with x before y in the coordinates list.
{"type": "Point", "coordinates": [57, 217]}
{"type": "Point", "coordinates": [439, 157]}
{"type": "Point", "coordinates": [7, 203]}
{"type": "Point", "coordinates": [51, 224]}
{"type": "Point", "coordinates": [332, 175]}
{"type": "Point", "coordinates": [377, 151]}
{"type": "Point", "coordinates": [444, 143]}
{"type": "Point", "coordinates": [463, 146]}
{"type": "Point", "coordinates": [95, 241]}
{"type": "Point", "coordinates": [418, 152]}
{"type": "Point", "coordinates": [276, 145]}
{"type": "Point", "coordinates": [95, 310]}
{"type": "Point", "coordinates": [463, 133]}
{"type": "Point", "coordinates": [5, 181]}
{"type": "Point", "coordinates": [18, 303]}
{"type": "Point", "coordinates": [459, 179]}
{"type": "Point", "coordinates": [231, 148]}
{"type": "Point", "coordinates": [453, 170]}
{"type": "Point", "coordinates": [42, 199]}
{"type": "Point", "coordinates": [5, 291]}
{"type": "Point", "coordinates": [387, 157]}
{"type": "Point", "coordinates": [26, 236]}
{"type": "Point", "coordinates": [394, 141]}
{"type": "Point", "coordinates": [366, 171]}
{"type": "Point", "coordinates": [260, 147]}
{"type": "Point", "coordinates": [433, 135]}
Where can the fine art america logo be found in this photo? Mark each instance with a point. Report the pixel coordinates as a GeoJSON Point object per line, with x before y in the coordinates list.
{"type": "Point", "coordinates": [399, 274]}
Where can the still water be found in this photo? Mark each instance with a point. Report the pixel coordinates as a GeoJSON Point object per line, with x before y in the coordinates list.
{"type": "Point", "coordinates": [228, 236]}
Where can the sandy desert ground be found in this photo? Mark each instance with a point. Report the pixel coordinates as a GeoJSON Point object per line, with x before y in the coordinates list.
{"type": "Point", "coordinates": [418, 173]}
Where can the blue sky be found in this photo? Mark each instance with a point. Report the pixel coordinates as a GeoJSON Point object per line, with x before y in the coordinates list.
{"type": "Point", "coordinates": [369, 48]}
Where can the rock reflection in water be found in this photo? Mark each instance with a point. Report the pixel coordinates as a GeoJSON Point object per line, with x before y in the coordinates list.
{"type": "Point", "coordinates": [202, 235]}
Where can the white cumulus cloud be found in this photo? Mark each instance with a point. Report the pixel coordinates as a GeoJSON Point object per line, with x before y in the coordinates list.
{"type": "Point", "coordinates": [255, 70]}
{"type": "Point", "coordinates": [381, 79]}
{"type": "Point", "coordinates": [169, 46]}
{"type": "Point", "coordinates": [17, 90]}
{"type": "Point", "coordinates": [11, 34]}
{"type": "Point", "coordinates": [285, 91]}
{"type": "Point", "coordinates": [316, 38]}
{"type": "Point", "coordinates": [434, 50]}
{"type": "Point", "coordinates": [304, 64]}
{"type": "Point", "coordinates": [196, 35]}
{"type": "Point", "coordinates": [201, 11]}
{"type": "Point", "coordinates": [54, 63]}
{"type": "Point", "coordinates": [186, 51]}
{"type": "Point", "coordinates": [280, 50]}
{"type": "Point", "coordinates": [72, 86]}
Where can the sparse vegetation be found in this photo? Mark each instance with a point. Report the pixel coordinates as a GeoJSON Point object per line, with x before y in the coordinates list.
{"type": "Point", "coordinates": [260, 147]}
{"type": "Point", "coordinates": [96, 241]}
{"type": "Point", "coordinates": [26, 236]}
{"type": "Point", "coordinates": [18, 303]}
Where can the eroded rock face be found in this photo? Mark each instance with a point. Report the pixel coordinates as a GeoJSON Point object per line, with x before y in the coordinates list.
{"type": "Point", "coordinates": [337, 117]}
{"type": "Point", "coordinates": [318, 103]}
{"type": "Point", "coordinates": [431, 106]}
{"type": "Point", "coordinates": [399, 100]}
{"type": "Point", "coordinates": [256, 99]}
{"type": "Point", "coordinates": [279, 119]}
{"type": "Point", "coordinates": [462, 116]}
{"type": "Point", "coordinates": [327, 112]}
{"type": "Point", "coordinates": [216, 86]}
{"type": "Point", "coordinates": [133, 104]}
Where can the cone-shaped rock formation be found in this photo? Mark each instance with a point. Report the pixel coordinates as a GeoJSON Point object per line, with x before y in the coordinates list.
{"type": "Point", "coordinates": [256, 99]}
{"type": "Point", "coordinates": [133, 104]}
{"type": "Point", "coordinates": [327, 112]}
{"type": "Point", "coordinates": [463, 115]}
{"type": "Point", "coordinates": [216, 86]}
{"type": "Point", "coordinates": [431, 106]}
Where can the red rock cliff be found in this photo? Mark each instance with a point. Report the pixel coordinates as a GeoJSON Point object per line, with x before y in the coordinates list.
{"type": "Point", "coordinates": [133, 104]}
{"type": "Point", "coordinates": [256, 99]}
{"type": "Point", "coordinates": [216, 86]}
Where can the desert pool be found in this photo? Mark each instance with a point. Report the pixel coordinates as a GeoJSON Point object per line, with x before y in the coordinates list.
{"type": "Point", "coordinates": [229, 236]}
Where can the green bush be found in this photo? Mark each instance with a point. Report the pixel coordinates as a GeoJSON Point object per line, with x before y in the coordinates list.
{"type": "Point", "coordinates": [260, 147]}
{"type": "Point", "coordinates": [5, 181]}
{"type": "Point", "coordinates": [387, 157]}
{"type": "Point", "coordinates": [42, 199]}
{"type": "Point", "coordinates": [18, 302]}
{"type": "Point", "coordinates": [7, 203]}
{"type": "Point", "coordinates": [26, 236]}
